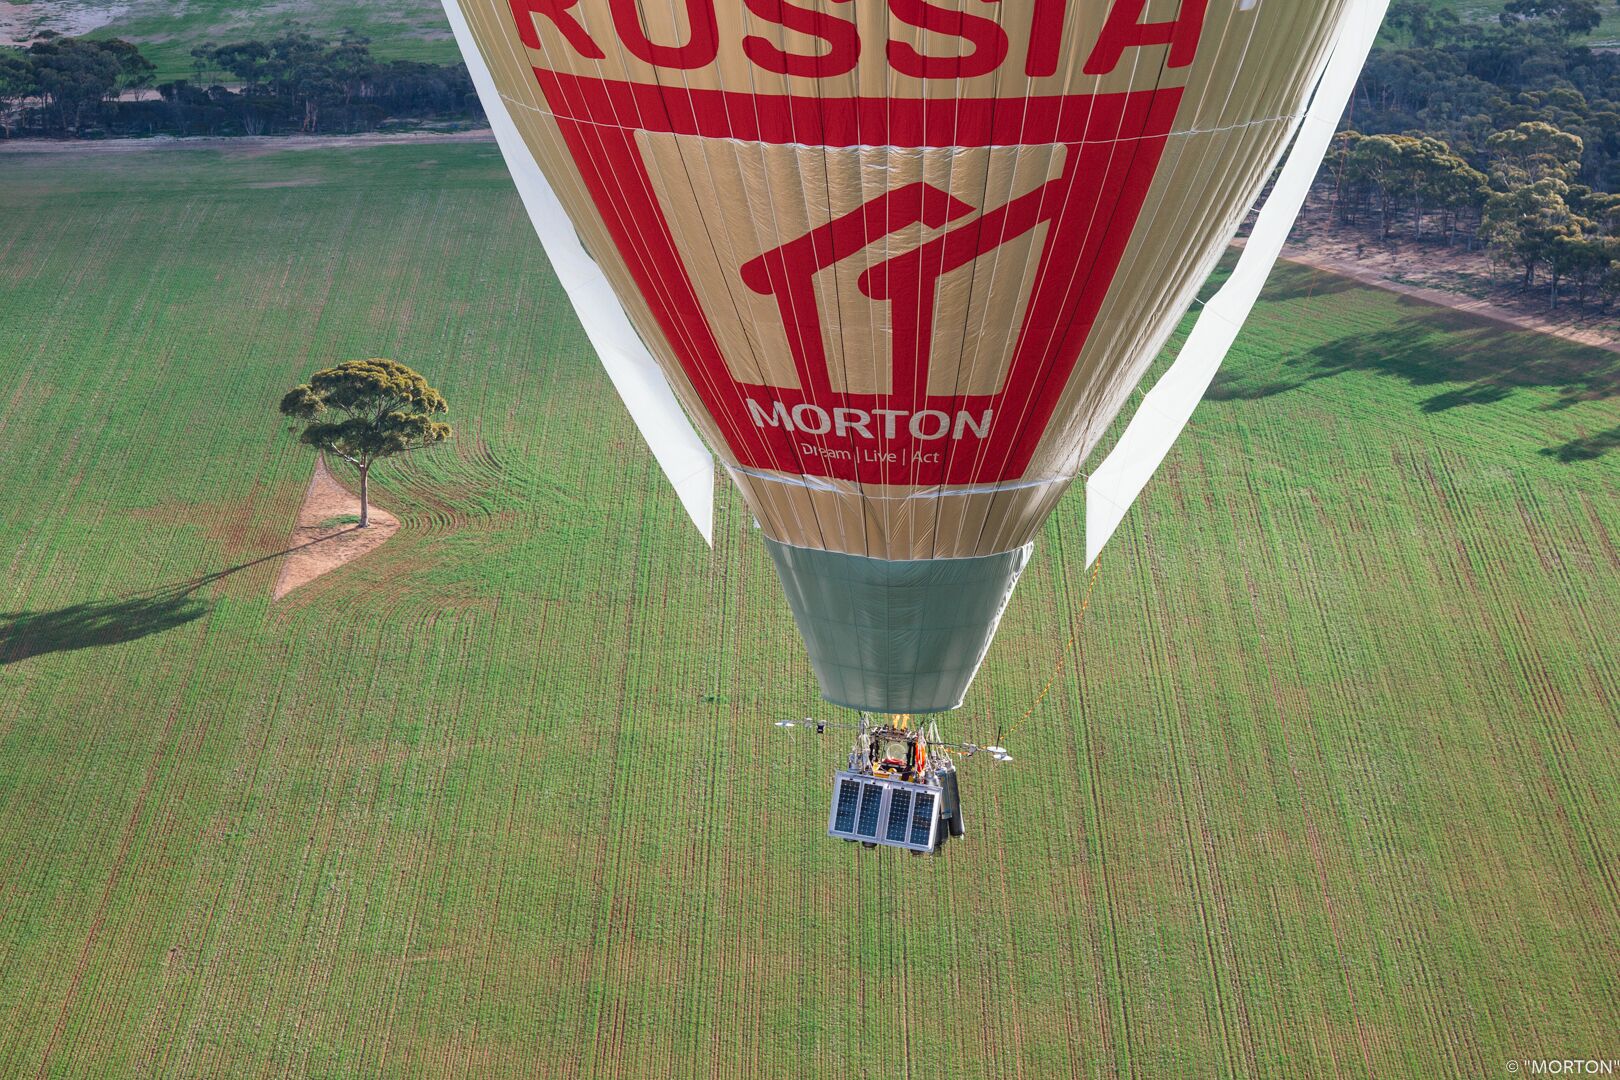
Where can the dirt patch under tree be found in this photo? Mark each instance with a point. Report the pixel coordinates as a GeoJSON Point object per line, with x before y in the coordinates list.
{"type": "Point", "coordinates": [320, 543]}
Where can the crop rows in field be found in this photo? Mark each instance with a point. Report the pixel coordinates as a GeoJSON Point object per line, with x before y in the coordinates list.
{"type": "Point", "coordinates": [1326, 788]}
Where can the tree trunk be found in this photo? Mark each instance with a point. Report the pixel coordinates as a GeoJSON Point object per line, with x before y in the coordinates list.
{"type": "Point", "coordinates": [365, 497]}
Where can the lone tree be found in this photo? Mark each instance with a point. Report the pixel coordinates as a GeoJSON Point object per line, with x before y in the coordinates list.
{"type": "Point", "coordinates": [367, 410]}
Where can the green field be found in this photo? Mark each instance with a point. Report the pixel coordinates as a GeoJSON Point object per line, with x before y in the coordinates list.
{"type": "Point", "coordinates": [1329, 790]}
{"type": "Point", "coordinates": [1607, 33]}
{"type": "Point", "coordinates": [167, 30]}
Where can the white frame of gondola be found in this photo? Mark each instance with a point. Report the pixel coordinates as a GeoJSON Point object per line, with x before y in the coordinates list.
{"type": "Point", "coordinates": [889, 787]}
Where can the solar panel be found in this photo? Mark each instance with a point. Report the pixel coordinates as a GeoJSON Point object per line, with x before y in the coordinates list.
{"type": "Point", "coordinates": [922, 820]}
{"type": "Point", "coordinates": [871, 804]}
{"type": "Point", "coordinates": [899, 811]}
{"type": "Point", "coordinates": [849, 793]}
{"type": "Point", "coordinates": [882, 810]}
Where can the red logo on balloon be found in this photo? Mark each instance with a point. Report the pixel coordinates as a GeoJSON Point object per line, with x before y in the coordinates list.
{"type": "Point", "coordinates": [906, 435]}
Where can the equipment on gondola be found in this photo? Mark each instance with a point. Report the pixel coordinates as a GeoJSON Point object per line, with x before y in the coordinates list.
{"type": "Point", "coordinates": [900, 787]}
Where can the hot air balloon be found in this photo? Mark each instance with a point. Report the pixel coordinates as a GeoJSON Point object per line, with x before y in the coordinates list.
{"type": "Point", "coordinates": [899, 264]}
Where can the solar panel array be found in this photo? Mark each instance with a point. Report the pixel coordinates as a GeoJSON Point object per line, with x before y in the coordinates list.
{"type": "Point", "coordinates": [922, 822]}
{"type": "Point", "coordinates": [899, 809]}
{"type": "Point", "coordinates": [849, 792]}
{"type": "Point", "coordinates": [871, 804]}
{"type": "Point", "coordinates": [889, 812]}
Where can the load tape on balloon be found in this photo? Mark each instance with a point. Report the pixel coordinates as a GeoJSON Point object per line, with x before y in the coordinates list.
{"type": "Point", "coordinates": [901, 263]}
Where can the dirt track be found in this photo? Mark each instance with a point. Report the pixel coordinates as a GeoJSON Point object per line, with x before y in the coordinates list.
{"type": "Point", "coordinates": [1408, 276]}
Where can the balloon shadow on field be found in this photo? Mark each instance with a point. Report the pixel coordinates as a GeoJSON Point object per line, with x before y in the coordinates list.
{"type": "Point", "coordinates": [87, 625]}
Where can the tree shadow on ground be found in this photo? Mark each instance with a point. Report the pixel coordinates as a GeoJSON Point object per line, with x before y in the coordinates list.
{"type": "Point", "coordinates": [25, 634]}
{"type": "Point", "coordinates": [1589, 448]}
{"type": "Point", "coordinates": [1435, 348]}
{"type": "Point", "coordinates": [1295, 281]}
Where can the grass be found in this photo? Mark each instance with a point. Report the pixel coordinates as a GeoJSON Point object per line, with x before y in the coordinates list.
{"type": "Point", "coordinates": [1329, 788]}
{"type": "Point", "coordinates": [1607, 33]}
{"type": "Point", "coordinates": [340, 519]}
{"type": "Point", "coordinates": [168, 31]}
{"type": "Point", "coordinates": [407, 29]}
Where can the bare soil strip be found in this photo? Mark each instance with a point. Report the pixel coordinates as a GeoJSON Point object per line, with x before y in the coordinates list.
{"type": "Point", "coordinates": [314, 550]}
{"type": "Point", "coordinates": [1379, 270]}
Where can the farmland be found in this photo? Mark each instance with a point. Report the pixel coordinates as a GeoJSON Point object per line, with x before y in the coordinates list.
{"type": "Point", "coordinates": [406, 29]}
{"type": "Point", "coordinates": [1607, 33]}
{"type": "Point", "coordinates": [1328, 788]}
{"type": "Point", "coordinates": [167, 30]}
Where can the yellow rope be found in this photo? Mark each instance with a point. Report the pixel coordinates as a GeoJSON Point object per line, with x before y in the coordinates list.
{"type": "Point", "coordinates": [1063, 659]}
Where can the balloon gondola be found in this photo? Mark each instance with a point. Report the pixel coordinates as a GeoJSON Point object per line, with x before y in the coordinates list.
{"type": "Point", "coordinates": [899, 788]}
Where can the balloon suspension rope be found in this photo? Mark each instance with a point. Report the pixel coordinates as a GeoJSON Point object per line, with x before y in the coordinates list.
{"type": "Point", "coordinates": [1063, 658]}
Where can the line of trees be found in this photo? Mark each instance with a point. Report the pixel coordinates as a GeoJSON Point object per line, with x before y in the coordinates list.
{"type": "Point", "coordinates": [1506, 134]}
{"type": "Point", "coordinates": [291, 83]}
{"type": "Point", "coordinates": [1393, 175]}
{"type": "Point", "coordinates": [70, 79]}
{"type": "Point", "coordinates": [1539, 217]}
{"type": "Point", "coordinates": [1529, 208]}
{"type": "Point", "coordinates": [1463, 82]}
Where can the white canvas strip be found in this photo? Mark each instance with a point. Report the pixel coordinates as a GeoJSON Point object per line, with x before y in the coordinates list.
{"type": "Point", "coordinates": [1165, 411]}
{"type": "Point", "coordinates": [646, 393]}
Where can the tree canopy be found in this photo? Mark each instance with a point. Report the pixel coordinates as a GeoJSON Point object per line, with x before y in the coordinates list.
{"type": "Point", "coordinates": [292, 82]}
{"type": "Point", "coordinates": [73, 75]}
{"type": "Point", "coordinates": [366, 410]}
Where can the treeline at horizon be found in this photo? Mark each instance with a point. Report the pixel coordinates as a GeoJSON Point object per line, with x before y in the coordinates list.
{"type": "Point", "coordinates": [1505, 133]}
{"type": "Point", "coordinates": [293, 83]}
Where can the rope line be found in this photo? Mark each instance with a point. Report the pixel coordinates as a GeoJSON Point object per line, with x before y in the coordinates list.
{"type": "Point", "coordinates": [1063, 658]}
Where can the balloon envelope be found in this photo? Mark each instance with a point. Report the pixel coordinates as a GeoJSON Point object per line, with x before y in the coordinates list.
{"type": "Point", "coordinates": [902, 263]}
